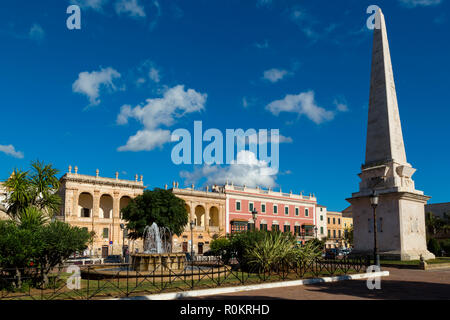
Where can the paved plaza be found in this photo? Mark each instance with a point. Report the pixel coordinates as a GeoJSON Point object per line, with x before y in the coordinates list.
{"type": "Point", "coordinates": [400, 284]}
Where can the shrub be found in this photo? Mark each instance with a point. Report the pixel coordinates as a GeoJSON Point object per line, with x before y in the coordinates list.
{"type": "Point", "coordinates": [221, 247]}
{"type": "Point", "coordinates": [434, 247]}
{"type": "Point", "coordinates": [275, 249]}
{"type": "Point", "coordinates": [310, 251]}
{"type": "Point", "coordinates": [445, 245]}
{"type": "Point", "coordinates": [241, 242]}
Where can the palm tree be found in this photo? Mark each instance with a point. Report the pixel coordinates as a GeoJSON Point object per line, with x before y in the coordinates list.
{"type": "Point", "coordinates": [45, 185]}
{"type": "Point", "coordinates": [19, 193]}
{"type": "Point", "coordinates": [32, 218]}
{"type": "Point", "coordinates": [38, 189]}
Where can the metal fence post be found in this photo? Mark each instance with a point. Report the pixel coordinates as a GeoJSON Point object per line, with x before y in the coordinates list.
{"type": "Point", "coordinates": [88, 280]}
{"type": "Point", "coordinates": [128, 268]}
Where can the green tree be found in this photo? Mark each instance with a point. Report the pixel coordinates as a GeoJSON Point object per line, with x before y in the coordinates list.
{"type": "Point", "coordinates": [44, 186]}
{"type": "Point", "coordinates": [434, 247]}
{"type": "Point", "coordinates": [19, 193]}
{"type": "Point", "coordinates": [31, 218]}
{"type": "Point", "coordinates": [18, 247]}
{"type": "Point", "coordinates": [433, 223]}
{"type": "Point", "coordinates": [159, 206]}
{"type": "Point", "coordinates": [348, 235]}
{"type": "Point", "coordinates": [221, 247]}
{"type": "Point", "coordinates": [57, 242]}
{"type": "Point", "coordinates": [37, 188]}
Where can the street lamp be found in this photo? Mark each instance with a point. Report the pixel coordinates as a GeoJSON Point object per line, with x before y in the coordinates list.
{"type": "Point", "coordinates": [374, 203]}
{"type": "Point", "coordinates": [122, 226]}
{"type": "Point", "coordinates": [254, 216]}
{"type": "Point", "coordinates": [192, 224]}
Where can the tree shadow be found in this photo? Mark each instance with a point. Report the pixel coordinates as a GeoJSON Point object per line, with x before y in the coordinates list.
{"type": "Point", "coordinates": [390, 290]}
{"type": "Point", "coordinates": [233, 297]}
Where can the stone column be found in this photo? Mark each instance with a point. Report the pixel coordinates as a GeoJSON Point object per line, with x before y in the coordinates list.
{"type": "Point", "coordinates": [116, 232]}
{"type": "Point", "coordinates": [116, 205]}
{"type": "Point", "coordinates": [207, 208]}
{"type": "Point", "coordinates": [95, 208]}
{"type": "Point", "coordinates": [222, 218]}
{"type": "Point", "coordinates": [75, 213]}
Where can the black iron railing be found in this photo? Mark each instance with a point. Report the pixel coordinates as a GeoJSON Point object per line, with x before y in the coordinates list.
{"type": "Point", "coordinates": [120, 280]}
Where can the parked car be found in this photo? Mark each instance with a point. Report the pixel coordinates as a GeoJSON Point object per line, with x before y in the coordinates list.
{"type": "Point", "coordinates": [113, 259]}
{"type": "Point", "coordinates": [330, 254]}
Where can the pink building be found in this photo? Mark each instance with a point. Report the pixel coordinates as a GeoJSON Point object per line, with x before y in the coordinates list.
{"type": "Point", "coordinates": [286, 212]}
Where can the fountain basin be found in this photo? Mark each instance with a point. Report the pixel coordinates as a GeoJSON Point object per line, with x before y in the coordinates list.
{"type": "Point", "coordinates": [150, 262]}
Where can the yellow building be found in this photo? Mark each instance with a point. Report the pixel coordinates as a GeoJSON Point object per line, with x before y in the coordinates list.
{"type": "Point", "coordinates": [206, 209]}
{"type": "Point", "coordinates": [334, 230]}
{"type": "Point", "coordinates": [347, 221]}
{"type": "Point", "coordinates": [94, 203]}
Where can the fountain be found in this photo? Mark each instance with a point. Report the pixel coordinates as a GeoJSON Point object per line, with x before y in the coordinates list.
{"type": "Point", "coordinates": [157, 253]}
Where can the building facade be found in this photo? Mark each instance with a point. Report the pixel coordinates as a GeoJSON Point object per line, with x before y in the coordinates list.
{"type": "Point", "coordinates": [3, 214]}
{"type": "Point", "coordinates": [321, 221]}
{"type": "Point", "coordinates": [335, 231]}
{"type": "Point", "coordinates": [347, 225]}
{"type": "Point", "coordinates": [94, 203]}
{"type": "Point", "coordinates": [276, 210]}
{"type": "Point", "coordinates": [206, 209]}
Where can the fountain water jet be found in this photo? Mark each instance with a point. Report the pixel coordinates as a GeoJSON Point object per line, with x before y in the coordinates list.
{"type": "Point", "coordinates": [157, 252]}
{"type": "Point", "coordinates": [157, 239]}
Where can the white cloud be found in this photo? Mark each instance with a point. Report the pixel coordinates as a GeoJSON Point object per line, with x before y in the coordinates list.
{"type": "Point", "coordinates": [154, 74]}
{"type": "Point", "coordinates": [146, 140]}
{"type": "Point", "coordinates": [246, 170]}
{"type": "Point", "coordinates": [148, 71]}
{"type": "Point", "coordinates": [419, 3]}
{"type": "Point", "coordinates": [244, 102]}
{"type": "Point", "coordinates": [265, 138]}
{"type": "Point", "coordinates": [175, 103]}
{"type": "Point", "coordinates": [90, 4]}
{"type": "Point", "coordinates": [90, 83]}
{"type": "Point", "coordinates": [262, 3]}
{"type": "Point", "coordinates": [262, 45]}
{"type": "Point", "coordinates": [341, 106]}
{"type": "Point", "coordinates": [130, 7]}
{"type": "Point", "coordinates": [36, 33]}
{"type": "Point", "coordinates": [11, 151]}
{"type": "Point", "coordinates": [302, 104]}
{"type": "Point", "coordinates": [157, 15]}
{"type": "Point", "coordinates": [309, 25]}
{"type": "Point", "coordinates": [274, 75]}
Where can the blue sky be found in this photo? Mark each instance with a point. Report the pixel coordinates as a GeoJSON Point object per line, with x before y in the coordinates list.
{"type": "Point", "coordinates": [107, 95]}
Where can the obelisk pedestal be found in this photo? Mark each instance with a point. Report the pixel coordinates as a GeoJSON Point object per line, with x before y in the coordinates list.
{"type": "Point", "coordinates": [400, 213]}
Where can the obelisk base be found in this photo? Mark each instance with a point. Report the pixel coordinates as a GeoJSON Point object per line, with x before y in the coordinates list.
{"type": "Point", "coordinates": [401, 231]}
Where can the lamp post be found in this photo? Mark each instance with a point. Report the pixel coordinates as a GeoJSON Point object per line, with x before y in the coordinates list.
{"type": "Point", "coordinates": [254, 216]}
{"type": "Point", "coordinates": [374, 203]}
{"type": "Point", "coordinates": [122, 226]}
{"type": "Point", "coordinates": [192, 224]}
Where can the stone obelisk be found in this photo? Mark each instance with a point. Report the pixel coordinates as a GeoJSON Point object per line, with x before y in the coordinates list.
{"type": "Point", "coordinates": [400, 211]}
